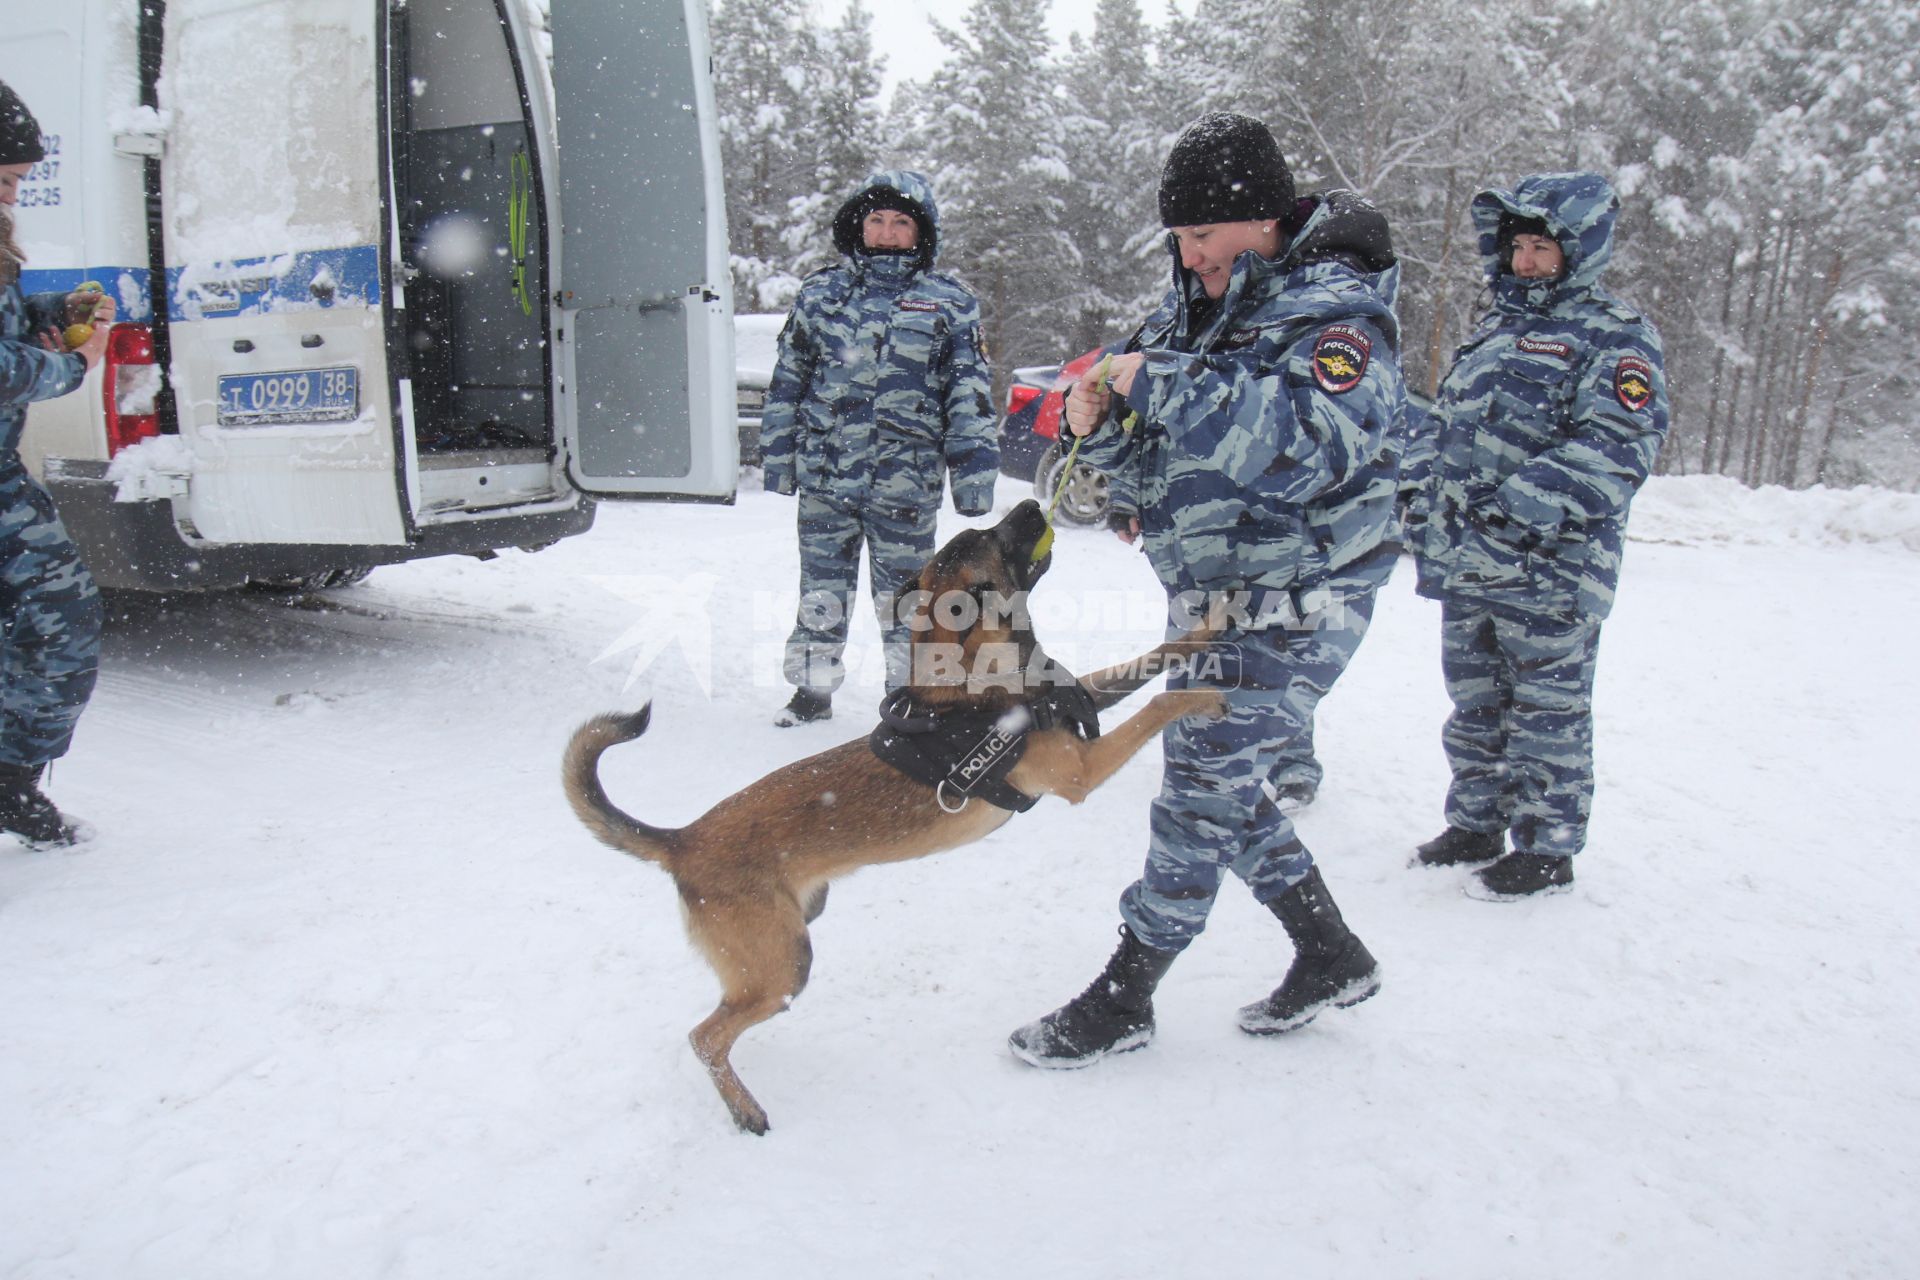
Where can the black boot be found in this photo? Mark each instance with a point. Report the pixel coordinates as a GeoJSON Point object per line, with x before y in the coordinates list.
{"type": "Point", "coordinates": [1295, 795]}
{"type": "Point", "coordinates": [1457, 846]}
{"type": "Point", "coordinates": [1522, 875]}
{"type": "Point", "coordinates": [1330, 965]}
{"type": "Point", "coordinates": [806, 707]}
{"type": "Point", "coordinates": [1112, 1015]}
{"type": "Point", "coordinates": [30, 815]}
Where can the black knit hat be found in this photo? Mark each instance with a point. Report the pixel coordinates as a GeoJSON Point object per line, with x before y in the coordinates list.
{"type": "Point", "coordinates": [1224, 168]}
{"type": "Point", "coordinates": [19, 131]}
{"type": "Point", "coordinates": [1512, 225]}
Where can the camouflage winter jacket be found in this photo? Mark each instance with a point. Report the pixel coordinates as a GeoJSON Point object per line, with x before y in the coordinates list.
{"type": "Point", "coordinates": [29, 372]}
{"type": "Point", "coordinates": [1550, 419]}
{"type": "Point", "coordinates": [1263, 457]}
{"type": "Point", "coordinates": [880, 384]}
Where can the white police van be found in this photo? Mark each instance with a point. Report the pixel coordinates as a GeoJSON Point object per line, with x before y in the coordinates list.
{"type": "Point", "coordinates": [385, 290]}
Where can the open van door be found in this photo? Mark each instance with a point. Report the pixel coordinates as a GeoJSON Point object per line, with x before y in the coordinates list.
{"type": "Point", "coordinates": [272, 237]}
{"type": "Point", "coordinates": [643, 327]}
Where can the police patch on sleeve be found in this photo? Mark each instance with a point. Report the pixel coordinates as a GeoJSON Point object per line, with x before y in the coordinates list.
{"type": "Point", "coordinates": [1340, 357]}
{"type": "Point", "coordinates": [1633, 382]}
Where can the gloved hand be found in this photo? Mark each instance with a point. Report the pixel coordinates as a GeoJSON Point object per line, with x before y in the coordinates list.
{"type": "Point", "coordinates": [973, 499]}
{"type": "Point", "coordinates": [778, 478]}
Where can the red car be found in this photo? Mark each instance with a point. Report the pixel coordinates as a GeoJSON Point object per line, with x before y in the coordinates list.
{"type": "Point", "coordinates": [1030, 440]}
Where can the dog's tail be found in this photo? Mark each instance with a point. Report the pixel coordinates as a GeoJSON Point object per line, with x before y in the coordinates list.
{"type": "Point", "coordinates": [580, 777]}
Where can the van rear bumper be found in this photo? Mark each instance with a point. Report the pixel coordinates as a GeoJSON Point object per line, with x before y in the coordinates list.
{"type": "Point", "coordinates": [136, 546]}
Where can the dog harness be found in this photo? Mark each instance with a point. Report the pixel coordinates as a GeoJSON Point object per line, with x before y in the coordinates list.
{"type": "Point", "coordinates": [963, 754]}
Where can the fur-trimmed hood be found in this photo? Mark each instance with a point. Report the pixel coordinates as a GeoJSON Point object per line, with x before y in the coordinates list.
{"type": "Point", "coordinates": [915, 191]}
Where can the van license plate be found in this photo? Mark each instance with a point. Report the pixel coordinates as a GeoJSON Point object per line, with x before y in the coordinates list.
{"type": "Point", "coordinates": [296, 395]}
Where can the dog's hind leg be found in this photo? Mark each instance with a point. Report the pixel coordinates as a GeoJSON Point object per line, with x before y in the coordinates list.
{"type": "Point", "coordinates": [758, 980]}
{"type": "Point", "coordinates": [713, 1041]}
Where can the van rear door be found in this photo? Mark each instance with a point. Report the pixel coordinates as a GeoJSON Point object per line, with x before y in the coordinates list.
{"type": "Point", "coordinates": [273, 241]}
{"type": "Point", "coordinates": [644, 332]}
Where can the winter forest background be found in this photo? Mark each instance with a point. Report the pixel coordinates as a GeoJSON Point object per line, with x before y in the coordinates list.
{"type": "Point", "coordinates": [1767, 153]}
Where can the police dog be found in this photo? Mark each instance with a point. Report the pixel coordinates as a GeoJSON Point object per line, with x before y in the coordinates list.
{"type": "Point", "coordinates": [753, 871]}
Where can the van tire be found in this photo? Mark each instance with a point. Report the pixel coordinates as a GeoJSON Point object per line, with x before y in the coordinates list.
{"type": "Point", "coordinates": [1087, 498]}
{"type": "Point", "coordinates": [318, 580]}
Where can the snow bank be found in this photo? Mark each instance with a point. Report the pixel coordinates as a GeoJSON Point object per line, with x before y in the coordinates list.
{"type": "Point", "coordinates": [1717, 510]}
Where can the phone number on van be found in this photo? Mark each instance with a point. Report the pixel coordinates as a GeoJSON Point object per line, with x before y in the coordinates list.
{"type": "Point", "coordinates": [299, 395]}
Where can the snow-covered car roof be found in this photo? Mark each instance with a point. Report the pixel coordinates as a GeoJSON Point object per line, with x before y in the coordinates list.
{"type": "Point", "coordinates": [756, 342]}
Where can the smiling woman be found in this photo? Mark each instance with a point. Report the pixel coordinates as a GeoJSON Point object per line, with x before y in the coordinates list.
{"type": "Point", "coordinates": [1281, 481]}
{"type": "Point", "coordinates": [1209, 251]}
{"type": "Point", "coordinates": [878, 398]}
{"type": "Point", "coordinates": [1549, 421]}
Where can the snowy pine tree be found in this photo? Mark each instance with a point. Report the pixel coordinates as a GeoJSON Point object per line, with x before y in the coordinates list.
{"type": "Point", "coordinates": [1766, 152]}
{"type": "Point", "coordinates": [1113, 142]}
{"type": "Point", "coordinates": [843, 134]}
{"type": "Point", "coordinates": [992, 123]}
{"type": "Point", "coordinates": [760, 48]}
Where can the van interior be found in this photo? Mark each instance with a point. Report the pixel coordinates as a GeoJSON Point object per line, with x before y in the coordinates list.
{"type": "Point", "coordinates": [471, 237]}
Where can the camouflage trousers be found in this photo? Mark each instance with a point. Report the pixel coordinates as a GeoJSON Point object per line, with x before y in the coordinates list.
{"type": "Point", "coordinates": [52, 625]}
{"type": "Point", "coordinates": [1213, 813]}
{"type": "Point", "coordinates": [899, 543]}
{"type": "Point", "coordinates": [1520, 739]}
{"type": "Point", "coordinates": [1297, 761]}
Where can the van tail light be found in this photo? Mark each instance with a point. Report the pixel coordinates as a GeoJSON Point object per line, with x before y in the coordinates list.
{"type": "Point", "coordinates": [1019, 397]}
{"type": "Point", "coordinates": [130, 387]}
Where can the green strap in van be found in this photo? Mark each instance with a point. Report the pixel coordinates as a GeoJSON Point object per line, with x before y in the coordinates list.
{"type": "Point", "coordinates": [519, 218]}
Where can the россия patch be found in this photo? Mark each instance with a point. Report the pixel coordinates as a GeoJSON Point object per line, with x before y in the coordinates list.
{"type": "Point", "coordinates": [1340, 357]}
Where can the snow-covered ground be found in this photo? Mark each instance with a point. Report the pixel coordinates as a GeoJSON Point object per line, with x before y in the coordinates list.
{"type": "Point", "coordinates": [342, 989]}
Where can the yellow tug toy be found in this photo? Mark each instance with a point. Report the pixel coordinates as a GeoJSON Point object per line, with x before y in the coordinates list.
{"type": "Point", "coordinates": [77, 334]}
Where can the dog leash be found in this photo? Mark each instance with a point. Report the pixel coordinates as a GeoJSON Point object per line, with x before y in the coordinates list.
{"type": "Point", "coordinates": [1066, 473]}
{"type": "Point", "coordinates": [1044, 543]}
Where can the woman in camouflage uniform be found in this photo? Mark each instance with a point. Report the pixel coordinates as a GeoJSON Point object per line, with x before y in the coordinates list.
{"type": "Point", "coordinates": [1550, 420]}
{"type": "Point", "coordinates": [880, 389]}
{"type": "Point", "coordinates": [1265, 389]}
{"type": "Point", "coordinates": [51, 607]}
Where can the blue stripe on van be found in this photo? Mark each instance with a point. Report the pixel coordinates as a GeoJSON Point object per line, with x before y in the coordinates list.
{"type": "Point", "coordinates": [245, 286]}
{"type": "Point", "coordinates": [250, 286]}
